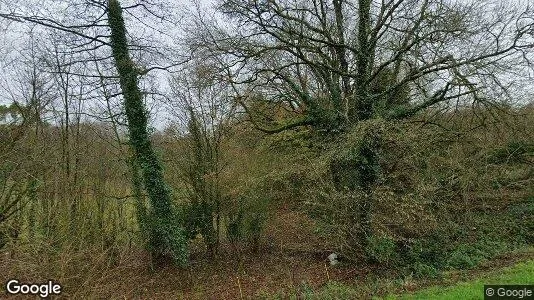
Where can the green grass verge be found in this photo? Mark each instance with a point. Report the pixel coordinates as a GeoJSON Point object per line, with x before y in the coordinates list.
{"type": "Point", "coordinates": [522, 273]}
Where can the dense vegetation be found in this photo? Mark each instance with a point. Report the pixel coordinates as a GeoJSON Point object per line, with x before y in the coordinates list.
{"type": "Point", "coordinates": [290, 138]}
{"type": "Point", "coordinates": [445, 199]}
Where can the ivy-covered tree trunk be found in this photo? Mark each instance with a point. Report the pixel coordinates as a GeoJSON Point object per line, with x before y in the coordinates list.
{"type": "Point", "coordinates": [356, 169]}
{"type": "Point", "coordinates": [164, 233]}
{"type": "Point", "coordinates": [205, 193]}
{"type": "Point", "coordinates": [362, 106]}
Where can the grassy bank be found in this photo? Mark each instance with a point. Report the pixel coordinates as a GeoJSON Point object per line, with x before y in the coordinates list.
{"type": "Point", "coordinates": [513, 268]}
{"type": "Point", "coordinates": [521, 273]}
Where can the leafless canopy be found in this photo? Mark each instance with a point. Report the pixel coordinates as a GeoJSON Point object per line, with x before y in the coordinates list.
{"type": "Point", "coordinates": [343, 61]}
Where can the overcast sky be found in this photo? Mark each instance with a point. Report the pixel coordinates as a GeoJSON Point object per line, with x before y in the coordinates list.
{"type": "Point", "coordinates": [14, 37]}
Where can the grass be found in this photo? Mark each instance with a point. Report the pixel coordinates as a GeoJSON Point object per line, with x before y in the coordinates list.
{"type": "Point", "coordinates": [466, 198]}
{"type": "Point", "coordinates": [522, 273]}
{"type": "Point", "coordinates": [463, 284]}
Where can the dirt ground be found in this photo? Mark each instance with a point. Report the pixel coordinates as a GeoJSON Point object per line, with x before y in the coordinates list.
{"type": "Point", "coordinates": [292, 258]}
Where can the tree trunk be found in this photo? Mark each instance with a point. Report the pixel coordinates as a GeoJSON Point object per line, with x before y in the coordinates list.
{"type": "Point", "coordinates": [362, 108]}
{"type": "Point", "coordinates": [162, 237]}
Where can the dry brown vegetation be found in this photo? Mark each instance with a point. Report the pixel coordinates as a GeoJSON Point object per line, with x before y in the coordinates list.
{"type": "Point", "coordinates": [309, 143]}
{"type": "Point", "coordinates": [78, 224]}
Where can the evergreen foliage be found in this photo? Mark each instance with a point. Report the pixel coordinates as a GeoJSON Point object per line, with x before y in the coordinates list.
{"type": "Point", "coordinates": [165, 235]}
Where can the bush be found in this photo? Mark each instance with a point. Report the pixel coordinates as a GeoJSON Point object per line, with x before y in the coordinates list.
{"type": "Point", "coordinates": [514, 152]}
{"type": "Point", "coordinates": [383, 250]}
{"type": "Point", "coordinates": [465, 257]}
{"type": "Point", "coordinates": [433, 203]}
{"type": "Point", "coordinates": [246, 220]}
{"type": "Point", "coordinates": [423, 270]}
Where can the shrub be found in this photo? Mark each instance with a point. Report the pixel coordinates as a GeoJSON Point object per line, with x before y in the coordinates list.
{"type": "Point", "coordinates": [383, 250]}
{"type": "Point", "coordinates": [514, 152]}
{"type": "Point", "coordinates": [423, 270]}
{"type": "Point", "coordinates": [246, 220]}
{"type": "Point", "coordinates": [433, 204]}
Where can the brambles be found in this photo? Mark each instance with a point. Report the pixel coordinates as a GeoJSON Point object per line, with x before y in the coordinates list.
{"type": "Point", "coordinates": [395, 144]}
{"type": "Point", "coordinates": [431, 205]}
{"type": "Point", "coordinates": [513, 152]}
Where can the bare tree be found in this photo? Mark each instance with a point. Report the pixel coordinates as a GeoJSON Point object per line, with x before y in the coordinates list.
{"type": "Point", "coordinates": [99, 27]}
{"type": "Point", "coordinates": [336, 63]}
{"type": "Point", "coordinates": [202, 101]}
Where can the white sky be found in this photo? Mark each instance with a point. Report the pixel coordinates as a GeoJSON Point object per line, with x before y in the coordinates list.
{"type": "Point", "coordinates": [12, 41]}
